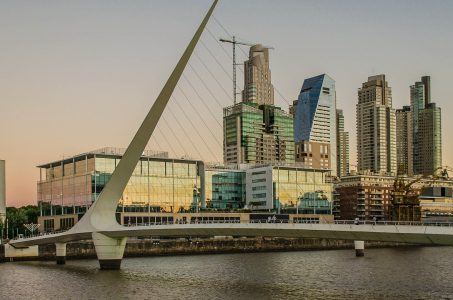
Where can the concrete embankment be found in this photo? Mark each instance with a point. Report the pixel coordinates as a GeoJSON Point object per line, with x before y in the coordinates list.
{"type": "Point", "coordinates": [149, 247]}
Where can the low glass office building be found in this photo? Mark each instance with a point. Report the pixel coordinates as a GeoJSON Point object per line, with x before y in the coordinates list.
{"type": "Point", "coordinates": [225, 189]}
{"type": "Point", "coordinates": [162, 189]}
{"type": "Point", "coordinates": [280, 188]}
{"type": "Point", "coordinates": [68, 187]}
{"type": "Point", "coordinates": [315, 203]}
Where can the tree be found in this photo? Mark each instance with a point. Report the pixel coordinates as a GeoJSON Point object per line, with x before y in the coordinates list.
{"type": "Point", "coordinates": [17, 217]}
{"type": "Point", "coordinates": [2, 232]}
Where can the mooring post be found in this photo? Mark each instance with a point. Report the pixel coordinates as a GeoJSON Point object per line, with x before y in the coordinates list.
{"type": "Point", "coordinates": [60, 253]}
{"type": "Point", "coordinates": [359, 248]}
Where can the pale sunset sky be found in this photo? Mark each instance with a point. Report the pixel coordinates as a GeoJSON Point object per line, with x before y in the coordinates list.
{"type": "Point", "coordinates": [80, 75]}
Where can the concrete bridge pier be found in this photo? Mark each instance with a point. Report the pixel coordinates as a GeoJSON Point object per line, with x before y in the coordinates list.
{"type": "Point", "coordinates": [60, 253]}
{"type": "Point", "coordinates": [109, 251]}
{"type": "Point", "coordinates": [359, 248]}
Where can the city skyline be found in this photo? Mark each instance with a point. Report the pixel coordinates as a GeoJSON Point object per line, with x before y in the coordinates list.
{"type": "Point", "coordinates": [64, 108]}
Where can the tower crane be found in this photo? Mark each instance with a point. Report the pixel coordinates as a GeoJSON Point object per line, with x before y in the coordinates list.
{"type": "Point", "coordinates": [235, 42]}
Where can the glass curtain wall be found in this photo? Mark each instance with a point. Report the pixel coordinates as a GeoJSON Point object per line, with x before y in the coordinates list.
{"type": "Point", "coordinates": [225, 189]}
{"type": "Point", "coordinates": [293, 184]}
{"type": "Point", "coordinates": [162, 185]}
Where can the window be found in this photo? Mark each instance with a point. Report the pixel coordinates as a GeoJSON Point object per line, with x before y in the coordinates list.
{"type": "Point", "coordinates": [66, 223]}
{"type": "Point", "coordinates": [258, 196]}
{"type": "Point", "coordinates": [48, 225]}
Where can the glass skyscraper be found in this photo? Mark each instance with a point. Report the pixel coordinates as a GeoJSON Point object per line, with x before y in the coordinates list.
{"type": "Point", "coordinates": [430, 139]}
{"type": "Point", "coordinates": [258, 87]}
{"type": "Point", "coordinates": [255, 131]}
{"type": "Point", "coordinates": [342, 146]}
{"type": "Point", "coordinates": [315, 125]}
{"type": "Point", "coordinates": [426, 128]}
{"type": "Point", "coordinates": [257, 134]}
{"type": "Point", "coordinates": [404, 141]}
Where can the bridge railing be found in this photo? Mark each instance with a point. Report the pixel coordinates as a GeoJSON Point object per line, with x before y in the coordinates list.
{"type": "Point", "coordinates": [38, 234]}
{"type": "Point", "coordinates": [339, 222]}
{"type": "Point", "coordinates": [393, 223]}
{"type": "Point", "coordinates": [272, 221]}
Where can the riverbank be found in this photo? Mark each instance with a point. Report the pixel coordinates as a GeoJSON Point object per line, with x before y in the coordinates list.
{"type": "Point", "coordinates": [151, 247]}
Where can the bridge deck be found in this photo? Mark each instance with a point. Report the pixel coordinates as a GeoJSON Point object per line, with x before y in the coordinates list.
{"type": "Point", "coordinates": [421, 234]}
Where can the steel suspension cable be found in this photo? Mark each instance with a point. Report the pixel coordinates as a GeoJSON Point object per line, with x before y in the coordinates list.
{"type": "Point", "coordinates": [203, 101]}
{"type": "Point", "coordinates": [220, 44]}
{"type": "Point", "coordinates": [214, 77]}
{"type": "Point", "coordinates": [195, 129]}
{"type": "Point", "coordinates": [199, 115]}
{"type": "Point", "coordinates": [215, 58]}
{"type": "Point", "coordinates": [165, 138]}
{"type": "Point", "coordinates": [205, 86]}
{"type": "Point", "coordinates": [175, 136]}
{"type": "Point", "coordinates": [183, 129]}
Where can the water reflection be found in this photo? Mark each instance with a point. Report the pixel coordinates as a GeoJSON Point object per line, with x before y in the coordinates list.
{"type": "Point", "coordinates": [404, 273]}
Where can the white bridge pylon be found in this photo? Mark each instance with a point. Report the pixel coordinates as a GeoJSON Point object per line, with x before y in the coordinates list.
{"type": "Point", "coordinates": [101, 215]}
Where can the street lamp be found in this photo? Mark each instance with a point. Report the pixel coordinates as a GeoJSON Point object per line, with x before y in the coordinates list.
{"type": "Point", "coordinates": [297, 206]}
{"type": "Point", "coordinates": [298, 202]}
{"type": "Point", "coordinates": [196, 191]}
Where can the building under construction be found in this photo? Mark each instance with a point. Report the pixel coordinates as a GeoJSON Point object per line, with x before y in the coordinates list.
{"type": "Point", "coordinates": [369, 196]}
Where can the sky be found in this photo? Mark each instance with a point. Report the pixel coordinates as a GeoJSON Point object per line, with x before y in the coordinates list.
{"type": "Point", "coordinates": [81, 75]}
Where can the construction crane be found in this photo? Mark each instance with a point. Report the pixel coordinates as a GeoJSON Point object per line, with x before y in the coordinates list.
{"type": "Point", "coordinates": [234, 42]}
{"type": "Point", "coordinates": [405, 204]}
{"type": "Point", "coordinates": [405, 197]}
{"type": "Point", "coordinates": [443, 172]}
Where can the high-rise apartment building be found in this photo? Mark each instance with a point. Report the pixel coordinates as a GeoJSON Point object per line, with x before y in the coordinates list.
{"type": "Point", "coordinates": [417, 93]}
{"type": "Point", "coordinates": [257, 134]}
{"type": "Point", "coordinates": [342, 146]}
{"type": "Point", "coordinates": [315, 132]}
{"type": "Point", "coordinates": [257, 77]}
{"type": "Point", "coordinates": [404, 141]}
{"type": "Point", "coordinates": [430, 140]}
{"type": "Point", "coordinates": [256, 131]}
{"type": "Point", "coordinates": [426, 128]}
{"type": "Point", "coordinates": [376, 128]}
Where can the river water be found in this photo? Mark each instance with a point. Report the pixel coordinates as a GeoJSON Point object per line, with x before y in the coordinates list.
{"type": "Point", "coordinates": [396, 273]}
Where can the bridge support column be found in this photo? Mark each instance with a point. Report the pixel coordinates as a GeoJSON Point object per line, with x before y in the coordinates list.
{"type": "Point", "coordinates": [359, 248]}
{"type": "Point", "coordinates": [109, 251]}
{"type": "Point", "coordinates": [60, 253]}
